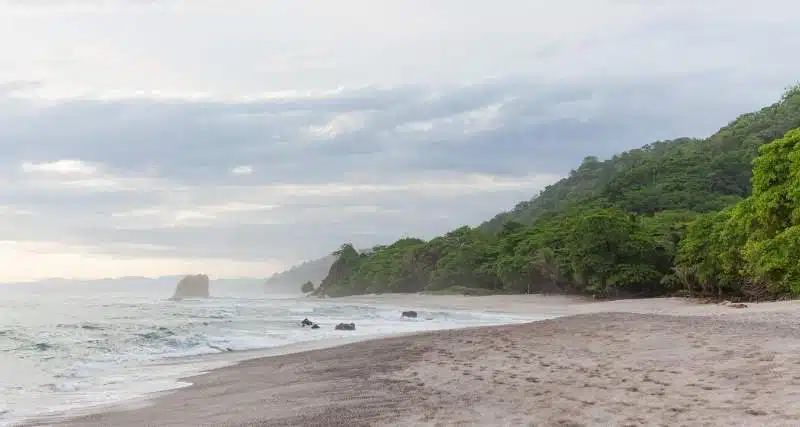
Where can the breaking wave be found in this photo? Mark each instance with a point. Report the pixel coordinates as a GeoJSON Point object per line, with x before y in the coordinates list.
{"type": "Point", "coordinates": [63, 353]}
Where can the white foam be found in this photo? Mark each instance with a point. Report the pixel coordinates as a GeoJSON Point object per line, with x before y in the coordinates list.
{"type": "Point", "coordinates": [106, 350]}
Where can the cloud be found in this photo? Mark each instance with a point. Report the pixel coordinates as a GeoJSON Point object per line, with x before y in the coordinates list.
{"type": "Point", "coordinates": [338, 125]}
{"type": "Point", "coordinates": [291, 129]}
{"type": "Point", "coordinates": [23, 260]}
{"type": "Point", "coordinates": [60, 167]}
{"type": "Point", "coordinates": [74, 174]}
{"type": "Point", "coordinates": [242, 170]}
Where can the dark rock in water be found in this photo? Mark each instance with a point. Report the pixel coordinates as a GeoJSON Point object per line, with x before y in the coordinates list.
{"type": "Point", "coordinates": [315, 326]}
{"type": "Point", "coordinates": [410, 313]}
{"type": "Point", "coordinates": [346, 327]}
{"type": "Point", "coordinates": [306, 322]}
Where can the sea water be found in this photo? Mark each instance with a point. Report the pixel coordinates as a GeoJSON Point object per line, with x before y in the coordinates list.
{"type": "Point", "coordinates": [70, 346]}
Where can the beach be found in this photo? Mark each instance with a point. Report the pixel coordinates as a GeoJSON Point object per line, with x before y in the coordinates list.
{"type": "Point", "coordinates": [664, 362]}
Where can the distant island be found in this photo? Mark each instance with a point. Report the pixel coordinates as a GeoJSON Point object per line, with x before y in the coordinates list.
{"type": "Point", "coordinates": [717, 217]}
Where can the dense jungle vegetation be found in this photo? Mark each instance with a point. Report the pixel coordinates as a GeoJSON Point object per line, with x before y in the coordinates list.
{"type": "Point", "coordinates": [718, 216]}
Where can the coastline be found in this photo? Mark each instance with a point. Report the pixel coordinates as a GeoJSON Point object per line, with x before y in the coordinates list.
{"type": "Point", "coordinates": [639, 362]}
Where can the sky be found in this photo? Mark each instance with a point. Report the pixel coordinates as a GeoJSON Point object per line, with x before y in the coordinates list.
{"type": "Point", "coordinates": [239, 137]}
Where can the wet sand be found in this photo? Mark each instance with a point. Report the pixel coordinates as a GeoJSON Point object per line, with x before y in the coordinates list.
{"type": "Point", "coordinates": [623, 363]}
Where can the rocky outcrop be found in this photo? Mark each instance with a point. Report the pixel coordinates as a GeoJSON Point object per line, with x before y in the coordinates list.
{"type": "Point", "coordinates": [192, 286]}
{"type": "Point", "coordinates": [733, 305]}
{"type": "Point", "coordinates": [346, 327]}
{"type": "Point", "coordinates": [307, 322]}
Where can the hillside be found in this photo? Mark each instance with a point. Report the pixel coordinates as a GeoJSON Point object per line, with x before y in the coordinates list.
{"type": "Point", "coordinates": [700, 175]}
{"type": "Point", "coordinates": [697, 216]}
{"type": "Point", "coordinates": [290, 280]}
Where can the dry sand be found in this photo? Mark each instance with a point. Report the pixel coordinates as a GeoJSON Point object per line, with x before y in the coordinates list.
{"type": "Point", "coordinates": [623, 363]}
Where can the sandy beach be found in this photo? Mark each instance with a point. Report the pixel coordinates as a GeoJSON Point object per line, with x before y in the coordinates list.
{"type": "Point", "coordinates": [659, 362]}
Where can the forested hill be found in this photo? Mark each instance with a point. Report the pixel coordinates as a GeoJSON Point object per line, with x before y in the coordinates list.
{"type": "Point", "coordinates": [700, 175]}
{"type": "Point", "coordinates": [290, 280]}
{"type": "Point", "coordinates": [692, 215]}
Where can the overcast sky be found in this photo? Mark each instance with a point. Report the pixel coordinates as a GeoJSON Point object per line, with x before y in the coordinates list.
{"type": "Point", "coordinates": [238, 137]}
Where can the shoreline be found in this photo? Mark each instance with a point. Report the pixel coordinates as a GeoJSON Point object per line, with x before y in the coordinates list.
{"type": "Point", "coordinates": [295, 387]}
{"type": "Point", "coordinates": [207, 363]}
{"type": "Point", "coordinates": [191, 366]}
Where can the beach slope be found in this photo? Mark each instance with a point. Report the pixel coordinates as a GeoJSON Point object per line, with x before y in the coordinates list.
{"type": "Point", "coordinates": [708, 366]}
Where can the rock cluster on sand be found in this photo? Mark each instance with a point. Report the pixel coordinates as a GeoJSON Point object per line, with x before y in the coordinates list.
{"type": "Point", "coordinates": [192, 286]}
{"type": "Point", "coordinates": [346, 327]}
{"type": "Point", "coordinates": [733, 305]}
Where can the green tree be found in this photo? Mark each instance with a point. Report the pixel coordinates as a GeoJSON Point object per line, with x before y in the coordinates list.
{"type": "Point", "coordinates": [771, 216]}
{"type": "Point", "coordinates": [307, 287]}
{"type": "Point", "coordinates": [716, 216]}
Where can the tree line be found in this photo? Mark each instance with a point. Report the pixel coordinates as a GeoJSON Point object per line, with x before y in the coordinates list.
{"type": "Point", "coordinates": [718, 217]}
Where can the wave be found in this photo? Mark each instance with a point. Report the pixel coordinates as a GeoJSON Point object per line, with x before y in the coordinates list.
{"type": "Point", "coordinates": [43, 346]}
{"type": "Point", "coordinates": [76, 351]}
{"type": "Point", "coordinates": [89, 326]}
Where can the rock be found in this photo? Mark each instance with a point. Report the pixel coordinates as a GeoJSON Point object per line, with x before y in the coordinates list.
{"type": "Point", "coordinates": [346, 327]}
{"type": "Point", "coordinates": [410, 313]}
{"type": "Point", "coordinates": [306, 322]}
{"type": "Point", "coordinates": [192, 286]}
{"type": "Point", "coordinates": [315, 326]}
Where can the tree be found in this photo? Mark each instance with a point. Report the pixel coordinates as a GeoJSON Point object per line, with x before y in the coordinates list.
{"type": "Point", "coordinates": [307, 287]}
{"type": "Point", "coordinates": [771, 216]}
{"type": "Point", "coordinates": [685, 174]}
{"type": "Point", "coordinates": [717, 216]}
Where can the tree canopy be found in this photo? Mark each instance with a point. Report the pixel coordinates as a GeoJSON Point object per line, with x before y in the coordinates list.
{"type": "Point", "coordinates": [307, 287]}
{"type": "Point", "coordinates": [715, 216]}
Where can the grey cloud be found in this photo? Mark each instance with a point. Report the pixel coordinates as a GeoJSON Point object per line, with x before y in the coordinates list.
{"type": "Point", "coordinates": [577, 78]}
{"type": "Point", "coordinates": [190, 147]}
{"type": "Point", "coordinates": [317, 44]}
{"type": "Point", "coordinates": [202, 141]}
{"type": "Point", "coordinates": [314, 230]}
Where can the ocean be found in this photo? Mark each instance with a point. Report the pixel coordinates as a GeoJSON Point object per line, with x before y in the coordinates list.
{"type": "Point", "coordinates": [73, 345]}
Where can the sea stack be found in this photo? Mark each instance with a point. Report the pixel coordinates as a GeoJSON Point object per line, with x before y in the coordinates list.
{"type": "Point", "coordinates": [192, 286]}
